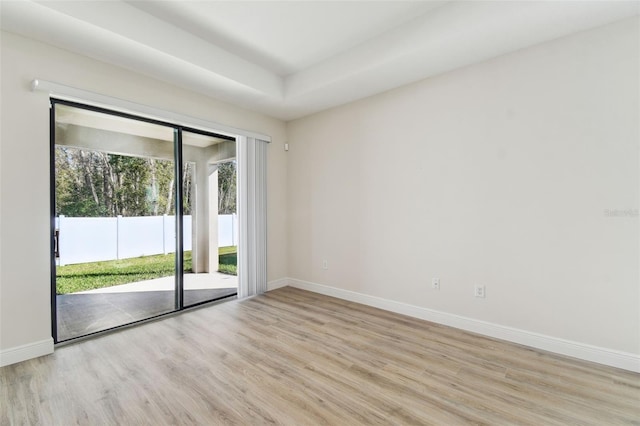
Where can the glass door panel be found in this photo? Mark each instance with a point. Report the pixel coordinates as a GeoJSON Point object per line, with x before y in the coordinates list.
{"type": "Point", "coordinates": [210, 219]}
{"type": "Point", "coordinates": [115, 220]}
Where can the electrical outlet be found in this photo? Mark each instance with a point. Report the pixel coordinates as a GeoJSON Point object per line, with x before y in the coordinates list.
{"type": "Point", "coordinates": [435, 283]}
{"type": "Point", "coordinates": [479, 291]}
{"type": "Point", "coordinates": [325, 264]}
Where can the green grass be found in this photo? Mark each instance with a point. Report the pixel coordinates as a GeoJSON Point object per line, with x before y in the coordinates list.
{"type": "Point", "coordinates": [228, 260]}
{"type": "Point", "coordinates": [228, 250]}
{"type": "Point", "coordinates": [89, 276]}
{"type": "Point", "coordinates": [228, 264]}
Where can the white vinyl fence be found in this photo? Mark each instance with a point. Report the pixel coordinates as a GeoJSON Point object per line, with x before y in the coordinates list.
{"type": "Point", "coordinates": [94, 239]}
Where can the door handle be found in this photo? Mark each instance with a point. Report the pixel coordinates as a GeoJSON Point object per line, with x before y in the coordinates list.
{"type": "Point", "coordinates": [56, 243]}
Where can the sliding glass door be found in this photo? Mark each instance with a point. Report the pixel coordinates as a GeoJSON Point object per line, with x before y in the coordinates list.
{"type": "Point", "coordinates": [210, 256]}
{"type": "Point", "coordinates": [134, 218]}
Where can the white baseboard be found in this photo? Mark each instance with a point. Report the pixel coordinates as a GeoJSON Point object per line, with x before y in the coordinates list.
{"type": "Point", "coordinates": [282, 282]}
{"type": "Point", "coordinates": [613, 358]}
{"type": "Point", "coordinates": [624, 360]}
{"type": "Point", "coordinates": [25, 352]}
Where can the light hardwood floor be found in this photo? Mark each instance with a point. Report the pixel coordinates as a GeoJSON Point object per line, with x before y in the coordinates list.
{"type": "Point", "coordinates": [298, 358]}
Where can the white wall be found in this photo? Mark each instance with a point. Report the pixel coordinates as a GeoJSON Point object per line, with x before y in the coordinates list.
{"type": "Point", "coordinates": [502, 173]}
{"type": "Point", "coordinates": [25, 318]}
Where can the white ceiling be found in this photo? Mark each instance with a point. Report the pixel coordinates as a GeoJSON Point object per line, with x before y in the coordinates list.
{"type": "Point", "coordinates": [285, 37]}
{"type": "Point", "coordinates": [290, 59]}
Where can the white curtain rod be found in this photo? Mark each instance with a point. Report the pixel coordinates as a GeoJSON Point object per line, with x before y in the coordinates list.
{"type": "Point", "coordinates": [79, 95]}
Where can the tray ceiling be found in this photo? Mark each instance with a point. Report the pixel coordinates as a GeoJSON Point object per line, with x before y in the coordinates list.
{"type": "Point", "coordinates": [290, 59]}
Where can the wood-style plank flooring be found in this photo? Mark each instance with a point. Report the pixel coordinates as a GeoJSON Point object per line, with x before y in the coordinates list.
{"type": "Point", "coordinates": [298, 358]}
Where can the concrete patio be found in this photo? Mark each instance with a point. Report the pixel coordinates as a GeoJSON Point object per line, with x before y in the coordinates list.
{"type": "Point", "coordinates": [90, 311]}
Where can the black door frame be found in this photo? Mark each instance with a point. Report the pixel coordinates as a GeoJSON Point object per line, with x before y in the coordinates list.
{"type": "Point", "coordinates": [179, 257]}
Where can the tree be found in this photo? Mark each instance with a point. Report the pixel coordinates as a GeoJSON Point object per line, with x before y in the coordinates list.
{"type": "Point", "coordinates": [78, 174]}
{"type": "Point", "coordinates": [188, 184]}
{"type": "Point", "coordinates": [227, 188]}
{"type": "Point", "coordinates": [91, 184]}
{"type": "Point", "coordinates": [98, 184]}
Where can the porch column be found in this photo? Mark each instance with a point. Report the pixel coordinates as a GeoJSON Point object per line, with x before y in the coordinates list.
{"type": "Point", "coordinates": [213, 218]}
{"type": "Point", "coordinates": [199, 219]}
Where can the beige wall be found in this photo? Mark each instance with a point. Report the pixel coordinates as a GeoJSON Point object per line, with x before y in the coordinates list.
{"type": "Point", "coordinates": [497, 174]}
{"type": "Point", "coordinates": [24, 170]}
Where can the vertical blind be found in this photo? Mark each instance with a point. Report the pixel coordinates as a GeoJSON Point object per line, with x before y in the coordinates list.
{"type": "Point", "coordinates": [252, 212]}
